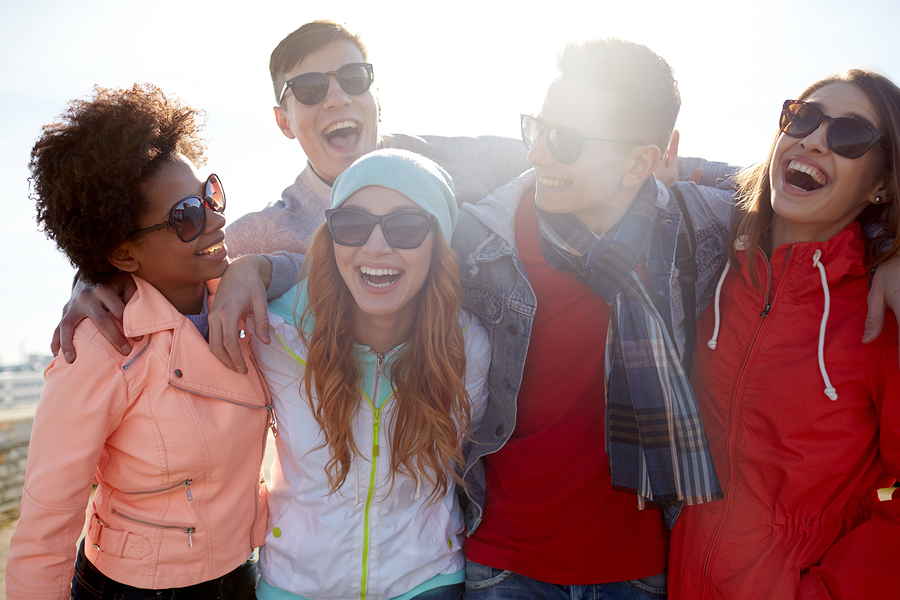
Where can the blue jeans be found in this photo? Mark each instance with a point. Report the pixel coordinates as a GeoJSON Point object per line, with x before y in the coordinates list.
{"type": "Point", "coordinates": [488, 583]}
{"type": "Point", "coordinates": [446, 592]}
{"type": "Point", "coordinates": [90, 584]}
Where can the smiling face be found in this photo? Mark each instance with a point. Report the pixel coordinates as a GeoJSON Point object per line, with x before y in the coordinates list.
{"type": "Point", "coordinates": [340, 128]}
{"type": "Point", "coordinates": [591, 187]}
{"type": "Point", "coordinates": [177, 269]}
{"type": "Point", "coordinates": [815, 192]}
{"type": "Point", "coordinates": [385, 282]}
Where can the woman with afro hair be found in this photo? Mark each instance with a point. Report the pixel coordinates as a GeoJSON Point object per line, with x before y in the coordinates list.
{"type": "Point", "coordinates": [172, 438]}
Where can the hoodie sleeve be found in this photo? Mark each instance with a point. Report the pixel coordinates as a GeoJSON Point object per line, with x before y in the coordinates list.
{"type": "Point", "coordinates": [80, 405]}
{"type": "Point", "coordinates": [865, 563]}
{"type": "Point", "coordinates": [478, 361]}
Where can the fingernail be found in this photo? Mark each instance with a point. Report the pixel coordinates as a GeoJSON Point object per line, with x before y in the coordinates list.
{"type": "Point", "coordinates": [70, 358]}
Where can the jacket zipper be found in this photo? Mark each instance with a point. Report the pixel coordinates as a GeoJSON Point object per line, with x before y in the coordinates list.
{"type": "Point", "coordinates": [187, 529]}
{"type": "Point", "coordinates": [768, 302]}
{"type": "Point", "coordinates": [187, 489]}
{"type": "Point", "coordinates": [376, 426]}
{"type": "Point", "coordinates": [139, 354]}
{"type": "Point", "coordinates": [270, 423]}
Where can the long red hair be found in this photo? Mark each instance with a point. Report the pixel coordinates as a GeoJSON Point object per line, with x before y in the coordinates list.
{"type": "Point", "coordinates": [433, 407]}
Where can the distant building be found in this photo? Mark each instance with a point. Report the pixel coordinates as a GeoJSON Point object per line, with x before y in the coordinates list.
{"type": "Point", "coordinates": [22, 384]}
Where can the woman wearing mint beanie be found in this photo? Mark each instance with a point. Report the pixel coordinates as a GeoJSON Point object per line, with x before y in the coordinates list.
{"type": "Point", "coordinates": [377, 374]}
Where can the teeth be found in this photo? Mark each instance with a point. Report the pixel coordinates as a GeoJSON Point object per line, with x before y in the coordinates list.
{"type": "Point", "coordinates": [212, 249]}
{"type": "Point", "coordinates": [549, 182]}
{"type": "Point", "coordinates": [341, 125]}
{"type": "Point", "coordinates": [378, 272]}
{"type": "Point", "coordinates": [816, 174]}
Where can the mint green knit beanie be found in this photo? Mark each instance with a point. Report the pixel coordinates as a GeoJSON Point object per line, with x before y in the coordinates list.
{"type": "Point", "coordinates": [413, 175]}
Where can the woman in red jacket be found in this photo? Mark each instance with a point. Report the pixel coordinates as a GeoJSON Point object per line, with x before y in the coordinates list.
{"type": "Point", "coordinates": [802, 417]}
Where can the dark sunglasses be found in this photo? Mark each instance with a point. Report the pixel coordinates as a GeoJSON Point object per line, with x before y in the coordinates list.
{"type": "Point", "coordinates": [846, 137]}
{"type": "Point", "coordinates": [565, 144]}
{"type": "Point", "coordinates": [188, 217]}
{"type": "Point", "coordinates": [311, 88]}
{"type": "Point", "coordinates": [403, 230]}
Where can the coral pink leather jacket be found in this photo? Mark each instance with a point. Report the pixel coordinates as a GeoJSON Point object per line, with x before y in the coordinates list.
{"type": "Point", "coordinates": [174, 441]}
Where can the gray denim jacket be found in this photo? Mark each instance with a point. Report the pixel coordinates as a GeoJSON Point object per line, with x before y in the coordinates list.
{"type": "Point", "coordinates": [496, 288]}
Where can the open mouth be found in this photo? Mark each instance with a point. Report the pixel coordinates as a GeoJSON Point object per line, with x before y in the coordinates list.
{"type": "Point", "coordinates": [552, 182]}
{"type": "Point", "coordinates": [212, 250]}
{"type": "Point", "coordinates": [379, 278]}
{"type": "Point", "coordinates": [804, 177]}
{"type": "Point", "coordinates": [343, 135]}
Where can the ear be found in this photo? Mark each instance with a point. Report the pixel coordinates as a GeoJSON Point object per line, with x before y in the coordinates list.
{"type": "Point", "coordinates": [645, 159]}
{"type": "Point", "coordinates": [123, 258]}
{"type": "Point", "coordinates": [284, 122]}
{"type": "Point", "coordinates": [882, 194]}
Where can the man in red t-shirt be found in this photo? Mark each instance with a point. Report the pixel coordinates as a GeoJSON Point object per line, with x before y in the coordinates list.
{"type": "Point", "coordinates": [544, 518]}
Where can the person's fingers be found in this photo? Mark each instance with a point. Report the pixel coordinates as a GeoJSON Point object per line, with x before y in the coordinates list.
{"type": "Point", "coordinates": [216, 345]}
{"type": "Point", "coordinates": [672, 150]}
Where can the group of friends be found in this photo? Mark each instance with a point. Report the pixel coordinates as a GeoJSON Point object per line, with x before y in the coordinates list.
{"type": "Point", "coordinates": [493, 370]}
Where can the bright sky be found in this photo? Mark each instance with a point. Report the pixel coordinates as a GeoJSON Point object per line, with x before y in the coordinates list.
{"type": "Point", "coordinates": [456, 68]}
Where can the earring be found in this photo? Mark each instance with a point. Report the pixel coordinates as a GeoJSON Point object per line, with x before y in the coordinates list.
{"type": "Point", "coordinates": [878, 199]}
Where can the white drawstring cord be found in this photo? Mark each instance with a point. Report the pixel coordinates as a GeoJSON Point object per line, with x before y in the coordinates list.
{"type": "Point", "coordinates": [829, 389]}
{"type": "Point", "coordinates": [712, 343]}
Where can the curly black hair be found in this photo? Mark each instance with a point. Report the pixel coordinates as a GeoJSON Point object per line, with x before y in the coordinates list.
{"type": "Point", "coordinates": [87, 169]}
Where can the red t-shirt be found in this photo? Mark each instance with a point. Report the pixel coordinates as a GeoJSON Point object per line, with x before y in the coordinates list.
{"type": "Point", "coordinates": [550, 512]}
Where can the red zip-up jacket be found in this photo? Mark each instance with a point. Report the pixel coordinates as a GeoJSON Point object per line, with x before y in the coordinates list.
{"type": "Point", "coordinates": [801, 517]}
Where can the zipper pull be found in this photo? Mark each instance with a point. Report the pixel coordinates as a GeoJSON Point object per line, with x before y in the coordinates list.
{"type": "Point", "coordinates": [190, 531]}
{"type": "Point", "coordinates": [766, 310]}
{"type": "Point", "coordinates": [273, 424]}
{"type": "Point", "coordinates": [380, 363]}
{"type": "Point", "coordinates": [187, 488]}
{"type": "Point", "coordinates": [376, 427]}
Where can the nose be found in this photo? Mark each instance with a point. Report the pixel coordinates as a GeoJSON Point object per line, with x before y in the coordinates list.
{"type": "Point", "coordinates": [539, 155]}
{"type": "Point", "coordinates": [817, 141]}
{"type": "Point", "coordinates": [214, 220]}
{"type": "Point", "coordinates": [336, 96]}
{"type": "Point", "coordinates": [377, 244]}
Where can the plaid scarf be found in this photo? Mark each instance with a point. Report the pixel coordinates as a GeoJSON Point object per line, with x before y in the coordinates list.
{"type": "Point", "coordinates": [654, 433]}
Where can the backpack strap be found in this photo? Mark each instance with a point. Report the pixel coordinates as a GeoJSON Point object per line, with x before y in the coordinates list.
{"type": "Point", "coordinates": [687, 276]}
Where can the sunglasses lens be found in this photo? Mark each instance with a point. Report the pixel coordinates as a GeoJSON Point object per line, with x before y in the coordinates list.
{"type": "Point", "coordinates": [406, 230]}
{"type": "Point", "coordinates": [215, 193]}
{"type": "Point", "coordinates": [187, 218]}
{"type": "Point", "coordinates": [531, 131]}
{"type": "Point", "coordinates": [799, 119]}
{"type": "Point", "coordinates": [565, 145]}
{"type": "Point", "coordinates": [354, 79]}
{"type": "Point", "coordinates": [849, 138]}
{"type": "Point", "coordinates": [310, 88]}
{"type": "Point", "coordinates": [349, 227]}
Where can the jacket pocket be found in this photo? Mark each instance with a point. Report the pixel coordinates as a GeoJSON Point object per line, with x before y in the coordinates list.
{"type": "Point", "coordinates": [120, 543]}
{"type": "Point", "coordinates": [187, 529]}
